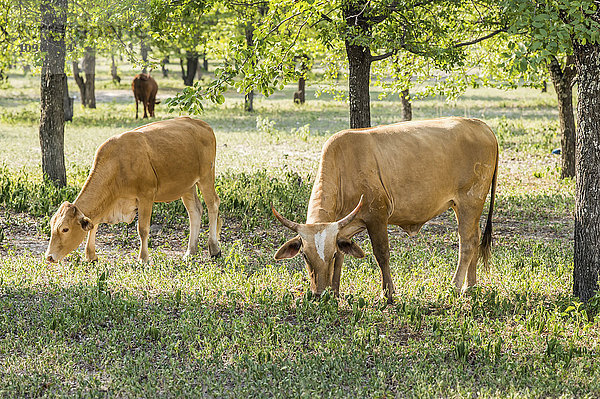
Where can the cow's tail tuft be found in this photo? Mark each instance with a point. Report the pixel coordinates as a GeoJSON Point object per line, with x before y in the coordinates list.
{"type": "Point", "coordinates": [485, 248]}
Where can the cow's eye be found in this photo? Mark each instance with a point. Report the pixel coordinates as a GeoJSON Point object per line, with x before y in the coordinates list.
{"type": "Point", "coordinates": [65, 230]}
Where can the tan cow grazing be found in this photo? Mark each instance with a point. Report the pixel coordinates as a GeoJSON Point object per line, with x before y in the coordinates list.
{"type": "Point", "coordinates": [159, 162]}
{"type": "Point", "coordinates": [144, 89]}
{"type": "Point", "coordinates": [402, 174]}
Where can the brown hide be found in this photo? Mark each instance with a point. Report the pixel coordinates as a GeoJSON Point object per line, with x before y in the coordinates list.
{"type": "Point", "coordinates": [144, 89]}
{"type": "Point", "coordinates": [159, 162]}
{"type": "Point", "coordinates": [408, 173]}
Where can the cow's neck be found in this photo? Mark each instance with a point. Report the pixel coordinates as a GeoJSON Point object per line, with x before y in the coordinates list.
{"type": "Point", "coordinates": [95, 196]}
{"type": "Point", "coordinates": [323, 204]}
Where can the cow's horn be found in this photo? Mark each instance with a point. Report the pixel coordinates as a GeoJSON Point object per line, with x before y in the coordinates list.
{"type": "Point", "coordinates": [350, 217]}
{"type": "Point", "coordinates": [287, 223]}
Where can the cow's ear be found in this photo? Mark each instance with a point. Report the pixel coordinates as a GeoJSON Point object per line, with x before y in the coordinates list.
{"type": "Point", "coordinates": [349, 247]}
{"type": "Point", "coordinates": [289, 249]}
{"type": "Point", "coordinates": [86, 223]}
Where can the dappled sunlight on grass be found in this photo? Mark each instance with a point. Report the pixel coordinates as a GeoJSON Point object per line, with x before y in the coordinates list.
{"type": "Point", "coordinates": [245, 325]}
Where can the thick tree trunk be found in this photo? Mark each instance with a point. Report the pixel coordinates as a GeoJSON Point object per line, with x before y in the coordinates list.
{"type": "Point", "coordinates": [113, 70]}
{"type": "Point", "coordinates": [587, 172]}
{"type": "Point", "coordinates": [359, 66]}
{"type": "Point", "coordinates": [80, 82]}
{"type": "Point", "coordinates": [563, 84]}
{"type": "Point", "coordinates": [89, 68]}
{"type": "Point", "coordinates": [406, 105]}
{"type": "Point", "coordinates": [53, 82]}
{"type": "Point", "coordinates": [192, 67]}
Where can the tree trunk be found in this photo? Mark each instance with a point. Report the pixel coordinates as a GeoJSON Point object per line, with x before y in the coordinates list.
{"type": "Point", "coordinates": [249, 97]}
{"type": "Point", "coordinates": [199, 71]}
{"type": "Point", "coordinates": [359, 66]}
{"type": "Point", "coordinates": [53, 82]}
{"type": "Point", "coordinates": [163, 65]}
{"type": "Point", "coordinates": [249, 101]}
{"type": "Point", "coordinates": [182, 69]}
{"type": "Point", "coordinates": [89, 68]}
{"type": "Point", "coordinates": [80, 82]}
{"type": "Point", "coordinates": [113, 70]}
{"type": "Point", "coordinates": [406, 105]}
{"type": "Point", "coordinates": [67, 104]}
{"type": "Point", "coordinates": [563, 84]}
{"type": "Point", "coordinates": [144, 53]}
{"type": "Point", "coordinates": [587, 171]}
{"type": "Point", "coordinates": [192, 67]}
{"type": "Point", "coordinates": [300, 95]}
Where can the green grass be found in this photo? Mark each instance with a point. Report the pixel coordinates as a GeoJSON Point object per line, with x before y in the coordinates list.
{"type": "Point", "coordinates": [244, 325]}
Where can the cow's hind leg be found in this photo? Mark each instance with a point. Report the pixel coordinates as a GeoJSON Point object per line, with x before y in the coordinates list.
{"type": "Point", "coordinates": [194, 209]}
{"type": "Point", "coordinates": [136, 108]}
{"type": "Point", "coordinates": [90, 246]}
{"type": "Point", "coordinates": [381, 249]}
{"type": "Point", "coordinates": [145, 103]}
{"type": "Point", "coordinates": [214, 221]}
{"type": "Point", "coordinates": [468, 235]}
{"type": "Point", "coordinates": [144, 215]}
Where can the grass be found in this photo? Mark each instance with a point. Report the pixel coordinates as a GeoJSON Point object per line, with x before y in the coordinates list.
{"type": "Point", "coordinates": [244, 325]}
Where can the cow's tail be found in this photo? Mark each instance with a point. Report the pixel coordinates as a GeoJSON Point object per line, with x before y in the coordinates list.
{"type": "Point", "coordinates": [485, 248]}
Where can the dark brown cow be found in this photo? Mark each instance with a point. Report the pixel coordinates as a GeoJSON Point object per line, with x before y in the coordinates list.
{"type": "Point", "coordinates": [144, 89]}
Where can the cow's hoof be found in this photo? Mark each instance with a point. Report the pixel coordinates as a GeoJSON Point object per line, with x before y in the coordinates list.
{"type": "Point", "coordinates": [217, 255]}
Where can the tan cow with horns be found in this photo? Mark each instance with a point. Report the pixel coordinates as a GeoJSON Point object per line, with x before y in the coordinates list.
{"type": "Point", "coordinates": [159, 162]}
{"type": "Point", "coordinates": [402, 174]}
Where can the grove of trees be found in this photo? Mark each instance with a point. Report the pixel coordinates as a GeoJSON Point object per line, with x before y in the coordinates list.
{"type": "Point", "coordinates": [408, 47]}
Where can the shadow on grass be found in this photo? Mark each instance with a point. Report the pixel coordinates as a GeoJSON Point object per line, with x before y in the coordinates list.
{"type": "Point", "coordinates": [98, 339]}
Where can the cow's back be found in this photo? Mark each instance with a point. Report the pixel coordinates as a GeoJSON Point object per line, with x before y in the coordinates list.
{"type": "Point", "coordinates": [412, 169]}
{"type": "Point", "coordinates": [166, 157]}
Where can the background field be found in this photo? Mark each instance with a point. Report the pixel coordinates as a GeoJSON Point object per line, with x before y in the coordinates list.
{"type": "Point", "coordinates": [243, 325]}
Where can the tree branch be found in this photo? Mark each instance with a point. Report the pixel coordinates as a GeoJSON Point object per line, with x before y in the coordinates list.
{"type": "Point", "coordinates": [492, 34]}
{"type": "Point", "coordinates": [382, 56]}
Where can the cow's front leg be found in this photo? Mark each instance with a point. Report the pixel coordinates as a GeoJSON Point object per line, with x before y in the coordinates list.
{"type": "Point", "coordinates": [144, 215]}
{"type": "Point", "coordinates": [90, 245]}
{"type": "Point", "coordinates": [381, 249]}
{"type": "Point", "coordinates": [337, 272]}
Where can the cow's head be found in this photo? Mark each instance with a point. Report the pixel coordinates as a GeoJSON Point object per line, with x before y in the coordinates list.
{"type": "Point", "coordinates": [68, 228]}
{"type": "Point", "coordinates": [319, 244]}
